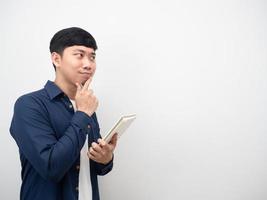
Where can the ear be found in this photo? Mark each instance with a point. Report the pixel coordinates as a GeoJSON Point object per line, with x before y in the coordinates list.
{"type": "Point", "coordinates": [56, 59]}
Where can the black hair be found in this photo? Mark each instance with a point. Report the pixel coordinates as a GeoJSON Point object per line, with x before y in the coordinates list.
{"type": "Point", "coordinates": [70, 37]}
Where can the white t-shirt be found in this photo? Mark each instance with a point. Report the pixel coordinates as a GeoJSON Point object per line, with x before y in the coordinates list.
{"type": "Point", "coordinates": [85, 188]}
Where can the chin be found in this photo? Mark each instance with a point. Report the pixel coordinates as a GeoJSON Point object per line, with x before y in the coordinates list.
{"type": "Point", "coordinates": [83, 81]}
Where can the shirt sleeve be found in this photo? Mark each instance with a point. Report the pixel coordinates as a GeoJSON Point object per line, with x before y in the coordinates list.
{"type": "Point", "coordinates": [51, 157]}
{"type": "Point", "coordinates": [103, 169]}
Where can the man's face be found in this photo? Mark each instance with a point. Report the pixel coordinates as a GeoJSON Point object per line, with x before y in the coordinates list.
{"type": "Point", "coordinates": [77, 64]}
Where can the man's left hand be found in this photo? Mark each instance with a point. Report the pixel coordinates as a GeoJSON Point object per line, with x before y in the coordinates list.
{"type": "Point", "coordinates": [102, 152]}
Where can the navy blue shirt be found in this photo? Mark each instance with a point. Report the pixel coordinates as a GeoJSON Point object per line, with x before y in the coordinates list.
{"type": "Point", "coordinates": [50, 135]}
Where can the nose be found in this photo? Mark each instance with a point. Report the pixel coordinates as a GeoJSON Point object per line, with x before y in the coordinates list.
{"type": "Point", "coordinates": [86, 67]}
{"type": "Point", "coordinates": [87, 64]}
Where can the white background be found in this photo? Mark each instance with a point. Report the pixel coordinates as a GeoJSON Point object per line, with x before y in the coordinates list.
{"type": "Point", "coordinates": [193, 71]}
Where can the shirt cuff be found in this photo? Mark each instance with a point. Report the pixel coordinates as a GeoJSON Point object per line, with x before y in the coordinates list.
{"type": "Point", "coordinates": [105, 168]}
{"type": "Point", "coordinates": [81, 119]}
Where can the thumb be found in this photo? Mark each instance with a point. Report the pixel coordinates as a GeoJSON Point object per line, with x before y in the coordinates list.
{"type": "Point", "coordinates": [114, 139]}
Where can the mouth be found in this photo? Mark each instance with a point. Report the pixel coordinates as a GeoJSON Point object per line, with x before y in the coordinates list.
{"type": "Point", "coordinates": [84, 77]}
{"type": "Point", "coordinates": [86, 74]}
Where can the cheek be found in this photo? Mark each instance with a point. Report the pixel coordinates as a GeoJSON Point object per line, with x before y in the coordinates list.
{"type": "Point", "coordinates": [72, 65]}
{"type": "Point", "coordinates": [70, 69]}
{"type": "Point", "coordinates": [94, 68]}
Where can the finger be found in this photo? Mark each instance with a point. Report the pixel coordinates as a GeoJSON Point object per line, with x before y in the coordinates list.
{"type": "Point", "coordinates": [92, 157]}
{"type": "Point", "coordinates": [79, 87]}
{"type": "Point", "coordinates": [86, 84]}
{"type": "Point", "coordinates": [96, 147]}
{"type": "Point", "coordinates": [106, 147]}
{"type": "Point", "coordinates": [101, 142]}
{"type": "Point", "coordinates": [114, 139]}
{"type": "Point", "coordinates": [91, 92]}
{"type": "Point", "coordinates": [93, 153]}
{"type": "Point", "coordinates": [96, 155]}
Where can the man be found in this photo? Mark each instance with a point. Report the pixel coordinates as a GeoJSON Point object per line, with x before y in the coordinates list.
{"type": "Point", "coordinates": [53, 127]}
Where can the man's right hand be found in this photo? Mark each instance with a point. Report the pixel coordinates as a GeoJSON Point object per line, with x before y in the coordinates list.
{"type": "Point", "coordinates": [85, 99]}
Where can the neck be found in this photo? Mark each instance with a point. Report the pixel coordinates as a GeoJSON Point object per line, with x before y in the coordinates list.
{"type": "Point", "coordinates": [68, 88]}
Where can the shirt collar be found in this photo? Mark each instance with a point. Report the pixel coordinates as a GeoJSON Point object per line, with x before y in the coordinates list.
{"type": "Point", "coordinates": [52, 89]}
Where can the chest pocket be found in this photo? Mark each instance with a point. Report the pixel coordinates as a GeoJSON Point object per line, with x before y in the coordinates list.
{"type": "Point", "coordinates": [60, 119]}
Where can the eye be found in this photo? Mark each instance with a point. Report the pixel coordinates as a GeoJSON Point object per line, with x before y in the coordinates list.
{"type": "Point", "coordinates": [79, 55]}
{"type": "Point", "coordinates": [92, 58]}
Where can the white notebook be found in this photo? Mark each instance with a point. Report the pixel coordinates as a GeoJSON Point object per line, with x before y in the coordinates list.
{"type": "Point", "coordinates": [120, 127]}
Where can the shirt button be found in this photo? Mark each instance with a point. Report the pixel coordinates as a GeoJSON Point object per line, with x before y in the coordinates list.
{"type": "Point", "coordinates": [70, 106]}
{"type": "Point", "coordinates": [88, 126]}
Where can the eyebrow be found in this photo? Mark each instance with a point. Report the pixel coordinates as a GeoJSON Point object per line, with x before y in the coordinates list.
{"type": "Point", "coordinates": [82, 51]}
